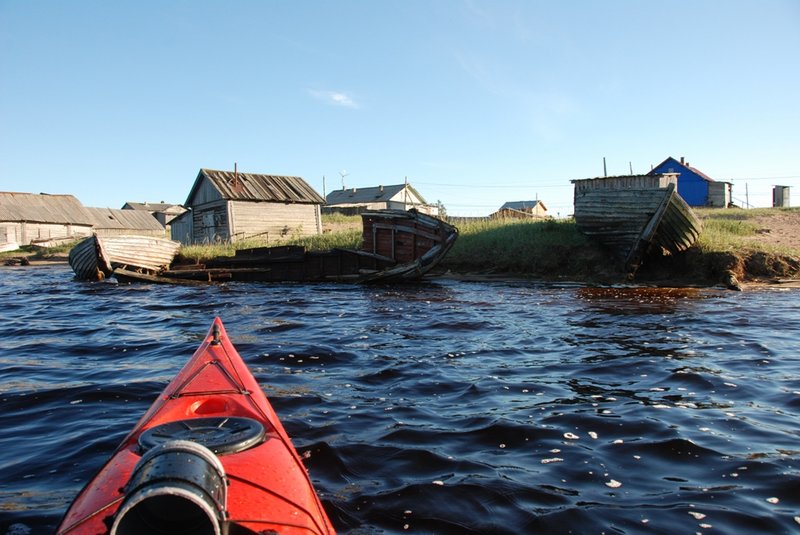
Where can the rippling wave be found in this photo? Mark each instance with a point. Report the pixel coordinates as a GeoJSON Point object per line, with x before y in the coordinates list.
{"type": "Point", "coordinates": [446, 407]}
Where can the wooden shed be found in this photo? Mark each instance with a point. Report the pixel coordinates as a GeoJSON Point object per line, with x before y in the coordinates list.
{"type": "Point", "coordinates": [353, 201]}
{"type": "Point", "coordinates": [30, 217]}
{"type": "Point", "coordinates": [231, 206]}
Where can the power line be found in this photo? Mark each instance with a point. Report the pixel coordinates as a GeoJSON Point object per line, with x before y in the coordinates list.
{"type": "Point", "coordinates": [496, 186]}
{"type": "Point", "coordinates": [761, 178]}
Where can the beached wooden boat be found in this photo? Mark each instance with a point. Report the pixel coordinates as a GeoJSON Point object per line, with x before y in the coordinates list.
{"type": "Point", "coordinates": [632, 214]}
{"type": "Point", "coordinates": [96, 257]}
{"type": "Point", "coordinates": [7, 247]}
{"type": "Point", "coordinates": [49, 243]}
{"type": "Point", "coordinates": [397, 246]}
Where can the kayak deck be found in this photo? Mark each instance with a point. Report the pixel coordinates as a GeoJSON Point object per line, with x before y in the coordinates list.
{"type": "Point", "coordinates": [214, 401]}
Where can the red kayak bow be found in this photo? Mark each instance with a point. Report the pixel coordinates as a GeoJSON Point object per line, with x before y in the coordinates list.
{"type": "Point", "coordinates": [209, 457]}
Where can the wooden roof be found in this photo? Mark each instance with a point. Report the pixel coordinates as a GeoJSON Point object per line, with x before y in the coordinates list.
{"type": "Point", "coordinates": [253, 187]}
{"type": "Point", "coordinates": [153, 206]}
{"type": "Point", "coordinates": [42, 208]}
{"type": "Point", "coordinates": [111, 218]}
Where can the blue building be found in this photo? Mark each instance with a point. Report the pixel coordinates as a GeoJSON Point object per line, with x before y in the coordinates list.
{"type": "Point", "coordinates": [696, 188]}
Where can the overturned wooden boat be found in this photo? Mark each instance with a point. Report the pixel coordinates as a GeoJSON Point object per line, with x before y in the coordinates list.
{"type": "Point", "coordinates": [397, 246]}
{"type": "Point", "coordinates": [49, 243]}
{"type": "Point", "coordinates": [9, 246]}
{"type": "Point", "coordinates": [96, 257]}
{"type": "Point", "coordinates": [630, 215]}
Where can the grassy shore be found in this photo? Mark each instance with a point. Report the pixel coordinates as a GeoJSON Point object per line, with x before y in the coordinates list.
{"type": "Point", "coordinates": [735, 244]}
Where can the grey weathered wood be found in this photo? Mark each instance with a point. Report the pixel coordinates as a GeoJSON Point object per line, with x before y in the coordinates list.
{"type": "Point", "coordinates": [629, 214]}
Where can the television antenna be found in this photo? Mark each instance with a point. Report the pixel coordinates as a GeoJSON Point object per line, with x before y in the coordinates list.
{"type": "Point", "coordinates": [343, 173]}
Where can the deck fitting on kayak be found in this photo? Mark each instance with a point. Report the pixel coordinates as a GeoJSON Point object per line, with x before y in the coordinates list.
{"type": "Point", "coordinates": [215, 331]}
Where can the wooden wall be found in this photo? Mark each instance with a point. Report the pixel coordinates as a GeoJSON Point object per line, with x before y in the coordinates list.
{"type": "Point", "coordinates": [210, 223]}
{"type": "Point", "coordinates": [719, 194]}
{"type": "Point", "coordinates": [273, 220]}
{"type": "Point", "coordinates": [23, 233]}
{"type": "Point", "coordinates": [626, 182]}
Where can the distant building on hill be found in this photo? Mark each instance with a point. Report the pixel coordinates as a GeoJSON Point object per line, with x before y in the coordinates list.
{"type": "Point", "coordinates": [231, 206]}
{"type": "Point", "coordinates": [396, 197]}
{"type": "Point", "coordinates": [696, 188]}
{"type": "Point", "coordinates": [521, 210]}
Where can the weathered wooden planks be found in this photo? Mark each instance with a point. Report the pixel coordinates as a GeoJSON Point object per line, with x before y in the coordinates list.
{"type": "Point", "coordinates": [630, 214]}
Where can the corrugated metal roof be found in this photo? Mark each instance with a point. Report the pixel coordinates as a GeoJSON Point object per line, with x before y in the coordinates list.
{"type": "Point", "coordinates": [152, 206]}
{"type": "Point", "coordinates": [42, 208]}
{"type": "Point", "coordinates": [521, 205]}
{"type": "Point", "coordinates": [252, 187]}
{"type": "Point", "coordinates": [111, 218]}
{"type": "Point", "coordinates": [368, 195]}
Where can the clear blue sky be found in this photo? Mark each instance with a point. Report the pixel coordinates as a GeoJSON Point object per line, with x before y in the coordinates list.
{"type": "Point", "coordinates": [475, 102]}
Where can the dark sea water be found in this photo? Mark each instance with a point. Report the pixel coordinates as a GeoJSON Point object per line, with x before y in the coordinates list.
{"type": "Point", "coordinates": [446, 407]}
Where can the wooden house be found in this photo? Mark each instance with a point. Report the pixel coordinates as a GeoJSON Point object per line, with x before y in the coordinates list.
{"type": "Point", "coordinates": [353, 201]}
{"type": "Point", "coordinates": [32, 217]}
{"type": "Point", "coordinates": [521, 210]}
{"type": "Point", "coordinates": [114, 222]}
{"type": "Point", "coordinates": [231, 206]}
{"type": "Point", "coordinates": [696, 188]}
{"type": "Point", "coordinates": [163, 212]}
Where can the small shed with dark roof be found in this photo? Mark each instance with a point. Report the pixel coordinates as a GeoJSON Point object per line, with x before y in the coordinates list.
{"type": "Point", "coordinates": [231, 206]}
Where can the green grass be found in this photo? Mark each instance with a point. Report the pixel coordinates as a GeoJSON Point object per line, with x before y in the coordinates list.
{"type": "Point", "coordinates": [350, 239]}
{"type": "Point", "coordinates": [552, 247]}
{"type": "Point", "coordinates": [729, 230]}
{"type": "Point", "coordinates": [37, 253]}
{"type": "Point", "coordinates": [340, 218]}
{"type": "Point", "coordinates": [738, 214]}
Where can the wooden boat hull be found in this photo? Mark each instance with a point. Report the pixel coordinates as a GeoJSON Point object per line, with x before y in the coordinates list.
{"type": "Point", "coordinates": [398, 246]}
{"type": "Point", "coordinates": [215, 403]}
{"type": "Point", "coordinates": [630, 221]}
{"type": "Point", "coordinates": [8, 247]}
{"type": "Point", "coordinates": [95, 258]}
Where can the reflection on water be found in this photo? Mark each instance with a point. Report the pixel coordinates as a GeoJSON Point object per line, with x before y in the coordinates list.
{"type": "Point", "coordinates": [446, 407]}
